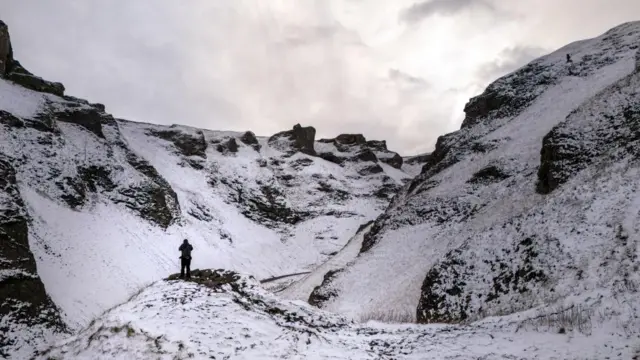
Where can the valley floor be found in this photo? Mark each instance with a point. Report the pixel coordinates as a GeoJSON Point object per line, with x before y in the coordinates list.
{"type": "Point", "coordinates": [239, 320]}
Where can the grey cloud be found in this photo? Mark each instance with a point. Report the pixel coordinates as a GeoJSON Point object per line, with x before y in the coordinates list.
{"type": "Point", "coordinates": [266, 65]}
{"type": "Point", "coordinates": [404, 78]}
{"type": "Point", "coordinates": [508, 61]}
{"type": "Point", "coordinates": [422, 10]}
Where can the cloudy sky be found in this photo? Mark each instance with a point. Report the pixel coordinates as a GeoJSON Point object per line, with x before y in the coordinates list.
{"type": "Point", "coordinates": [398, 70]}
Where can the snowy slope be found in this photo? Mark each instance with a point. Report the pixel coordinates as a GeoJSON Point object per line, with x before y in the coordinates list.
{"type": "Point", "coordinates": [532, 204]}
{"type": "Point", "coordinates": [239, 320]}
{"type": "Point", "coordinates": [303, 288]}
{"type": "Point", "coordinates": [103, 214]}
{"type": "Point", "coordinates": [106, 202]}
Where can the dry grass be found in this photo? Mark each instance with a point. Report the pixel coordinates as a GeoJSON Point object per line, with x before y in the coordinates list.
{"type": "Point", "coordinates": [561, 320]}
{"type": "Point", "coordinates": [390, 317]}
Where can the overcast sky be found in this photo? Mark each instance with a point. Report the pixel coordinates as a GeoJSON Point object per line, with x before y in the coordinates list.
{"type": "Point", "coordinates": [398, 70]}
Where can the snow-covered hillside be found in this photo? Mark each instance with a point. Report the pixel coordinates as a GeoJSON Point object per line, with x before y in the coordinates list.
{"type": "Point", "coordinates": [101, 204]}
{"type": "Point", "coordinates": [228, 316]}
{"type": "Point", "coordinates": [532, 204]}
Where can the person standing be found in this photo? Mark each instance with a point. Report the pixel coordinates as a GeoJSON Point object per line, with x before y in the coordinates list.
{"type": "Point", "coordinates": [185, 259]}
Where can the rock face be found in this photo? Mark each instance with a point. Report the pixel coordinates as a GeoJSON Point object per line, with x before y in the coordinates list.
{"type": "Point", "coordinates": [25, 307]}
{"type": "Point", "coordinates": [514, 211]}
{"type": "Point", "coordinates": [229, 145]}
{"type": "Point", "coordinates": [186, 144]}
{"type": "Point", "coordinates": [12, 70]}
{"type": "Point", "coordinates": [351, 139]}
{"type": "Point", "coordinates": [356, 148]}
{"type": "Point", "coordinates": [249, 138]}
{"type": "Point", "coordinates": [609, 126]}
{"type": "Point", "coordinates": [322, 293]}
{"type": "Point", "coordinates": [298, 139]}
{"type": "Point", "coordinates": [6, 55]}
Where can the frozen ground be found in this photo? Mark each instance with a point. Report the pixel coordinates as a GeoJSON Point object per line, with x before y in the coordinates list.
{"type": "Point", "coordinates": [181, 320]}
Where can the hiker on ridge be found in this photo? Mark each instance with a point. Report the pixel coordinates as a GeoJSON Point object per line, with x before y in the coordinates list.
{"type": "Point", "coordinates": [185, 258]}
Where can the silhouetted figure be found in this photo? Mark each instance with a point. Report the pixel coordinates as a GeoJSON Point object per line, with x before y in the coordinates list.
{"type": "Point", "coordinates": [569, 58]}
{"type": "Point", "coordinates": [185, 258]}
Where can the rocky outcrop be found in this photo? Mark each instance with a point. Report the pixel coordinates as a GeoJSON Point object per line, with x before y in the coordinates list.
{"type": "Point", "coordinates": [25, 303]}
{"type": "Point", "coordinates": [186, 144]}
{"type": "Point", "coordinates": [508, 96]}
{"type": "Point", "coordinates": [351, 139]}
{"type": "Point", "coordinates": [356, 148]}
{"type": "Point", "coordinates": [449, 291]}
{"type": "Point", "coordinates": [395, 160]}
{"type": "Point", "coordinates": [249, 138]}
{"type": "Point", "coordinates": [90, 118]}
{"type": "Point", "coordinates": [298, 139]}
{"type": "Point", "coordinates": [230, 145]}
{"type": "Point", "coordinates": [489, 174]}
{"type": "Point", "coordinates": [12, 70]}
{"type": "Point", "coordinates": [613, 131]}
{"type": "Point", "coordinates": [154, 199]}
{"type": "Point", "coordinates": [35, 83]}
{"type": "Point", "coordinates": [6, 54]}
{"type": "Point", "coordinates": [323, 293]}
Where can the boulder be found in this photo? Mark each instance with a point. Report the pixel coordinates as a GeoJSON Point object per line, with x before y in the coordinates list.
{"type": "Point", "coordinates": [638, 61]}
{"type": "Point", "coordinates": [232, 145]}
{"type": "Point", "coordinates": [228, 146]}
{"type": "Point", "coordinates": [249, 138]}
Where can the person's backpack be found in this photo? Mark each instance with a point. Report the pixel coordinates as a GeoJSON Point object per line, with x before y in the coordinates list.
{"type": "Point", "coordinates": [186, 250]}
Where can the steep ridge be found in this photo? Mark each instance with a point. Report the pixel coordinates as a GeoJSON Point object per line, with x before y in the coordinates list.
{"type": "Point", "coordinates": [107, 201]}
{"type": "Point", "coordinates": [532, 204]}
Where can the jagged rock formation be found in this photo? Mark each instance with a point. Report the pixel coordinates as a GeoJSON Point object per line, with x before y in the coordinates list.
{"type": "Point", "coordinates": [12, 70]}
{"type": "Point", "coordinates": [298, 139]}
{"type": "Point", "coordinates": [356, 148]}
{"type": "Point", "coordinates": [531, 204]}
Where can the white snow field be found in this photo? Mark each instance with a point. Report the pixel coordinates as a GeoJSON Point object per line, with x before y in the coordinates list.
{"type": "Point", "coordinates": [183, 320]}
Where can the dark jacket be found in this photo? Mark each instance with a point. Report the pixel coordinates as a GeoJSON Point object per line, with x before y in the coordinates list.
{"type": "Point", "coordinates": [186, 249]}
